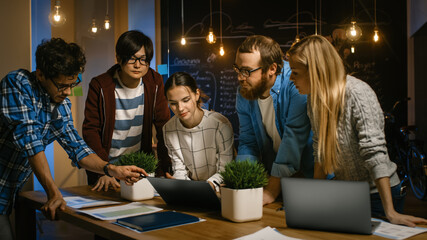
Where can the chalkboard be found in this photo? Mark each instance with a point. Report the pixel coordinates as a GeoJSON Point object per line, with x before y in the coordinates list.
{"type": "Point", "coordinates": [382, 65]}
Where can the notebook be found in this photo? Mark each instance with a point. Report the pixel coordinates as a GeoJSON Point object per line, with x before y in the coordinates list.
{"type": "Point", "coordinates": [186, 193]}
{"type": "Point", "coordinates": [157, 220]}
{"type": "Point", "coordinates": [328, 205]}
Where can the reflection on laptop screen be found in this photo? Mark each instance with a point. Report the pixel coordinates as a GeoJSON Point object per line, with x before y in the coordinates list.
{"type": "Point", "coordinates": [187, 193]}
{"type": "Point", "coordinates": [328, 205]}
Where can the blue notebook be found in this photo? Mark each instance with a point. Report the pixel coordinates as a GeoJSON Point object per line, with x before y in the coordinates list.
{"type": "Point", "coordinates": [157, 220]}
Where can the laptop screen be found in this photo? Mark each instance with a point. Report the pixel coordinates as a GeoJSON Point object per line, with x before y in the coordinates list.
{"type": "Point", "coordinates": [187, 193]}
{"type": "Point", "coordinates": [330, 205]}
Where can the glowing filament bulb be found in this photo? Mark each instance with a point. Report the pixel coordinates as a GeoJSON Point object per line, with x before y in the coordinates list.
{"type": "Point", "coordinates": [221, 50]}
{"type": "Point", "coordinates": [107, 24]}
{"type": "Point", "coordinates": [376, 37]}
{"type": "Point", "coordinates": [183, 41]}
{"type": "Point", "coordinates": [353, 31]}
{"type": "Point", "coordinates": [352, 49]}
{"type": "Point", "coordinates": [211, 38]}
{"type": "Point", "coordinates": [57, 16]}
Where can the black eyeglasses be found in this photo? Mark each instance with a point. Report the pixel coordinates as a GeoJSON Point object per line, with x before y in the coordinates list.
{"type": "Point", "coordinates": [63, 87]}
{"type": "Point", "coordinates": [244, 72]}
{"type": "Point", "coordinates": [141, 60]}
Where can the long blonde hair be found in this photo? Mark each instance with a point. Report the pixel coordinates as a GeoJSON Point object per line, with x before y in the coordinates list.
{"type": "Point", "coordinates": [327, 80]}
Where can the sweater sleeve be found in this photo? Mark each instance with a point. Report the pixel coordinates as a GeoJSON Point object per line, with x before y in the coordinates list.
{"type": "Point", "coordinates": [173, 146]}
{"type": "Point", "coordinates": [224, 141]}
{"type": "Point", "coordinates": [369, 123]}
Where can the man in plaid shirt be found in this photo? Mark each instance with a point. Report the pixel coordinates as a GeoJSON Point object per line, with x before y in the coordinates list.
{"type": "Point", "coordinates": [34, 112]}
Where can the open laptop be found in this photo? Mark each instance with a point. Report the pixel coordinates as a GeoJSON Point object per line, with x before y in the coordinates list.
{"type": "Point", "coordinates": [187, 193]}
{"type": "Point", "coordinates": [328, 205]}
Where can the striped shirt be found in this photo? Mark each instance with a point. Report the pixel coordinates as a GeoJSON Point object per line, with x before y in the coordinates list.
{"type": "Point", "coordinates": [127, 132]}
{"type": "Point", "coordinates": [29, 121]}
{"type": "Point", "coordinates": [199, 153]}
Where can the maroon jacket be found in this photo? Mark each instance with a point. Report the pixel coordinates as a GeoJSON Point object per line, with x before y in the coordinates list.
{"type": "Point", "coordinates": [100, 111]}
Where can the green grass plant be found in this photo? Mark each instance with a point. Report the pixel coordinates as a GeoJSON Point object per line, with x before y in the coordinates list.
{"type": "Point", "coordinates": [244, 175]}
{"type": "Point", "coordinates": [140, 159]}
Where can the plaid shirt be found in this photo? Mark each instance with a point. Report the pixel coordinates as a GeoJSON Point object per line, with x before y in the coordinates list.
{"type": "Point", "coordinates": [28, 123]}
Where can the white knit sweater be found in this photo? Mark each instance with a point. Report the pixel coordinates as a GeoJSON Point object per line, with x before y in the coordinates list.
{"type": "Point", "coordinates": [363, 153]}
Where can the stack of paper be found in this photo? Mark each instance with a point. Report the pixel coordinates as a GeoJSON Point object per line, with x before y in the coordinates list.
{"type": "Point", "coordinates": [128, 210]}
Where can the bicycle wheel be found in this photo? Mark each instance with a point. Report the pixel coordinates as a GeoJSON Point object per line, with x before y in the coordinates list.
{"type": "Point", "coordinates": [416, 167]}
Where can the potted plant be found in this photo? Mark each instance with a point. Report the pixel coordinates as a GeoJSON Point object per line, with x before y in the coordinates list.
{"type": "Point", "coordinates": [142, 189]}
{"type": "Point", "coordinates": [241, 197]}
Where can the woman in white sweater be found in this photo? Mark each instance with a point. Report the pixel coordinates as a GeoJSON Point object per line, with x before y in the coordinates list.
{"type": "Point", "coordinates": [199, 142]}
{"type": "Point", "coordinates": [348, 126]}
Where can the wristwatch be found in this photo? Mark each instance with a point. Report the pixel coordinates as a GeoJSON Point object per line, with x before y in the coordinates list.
{"type": "Point", "coordinates": [106, 170]}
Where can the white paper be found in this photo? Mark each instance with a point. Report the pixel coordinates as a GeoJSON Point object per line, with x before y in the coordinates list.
{"type": "Point", "coordinates": [266, 234]}
{"type": "Point", "coordinates": [127, 210]}
{"type": "Point", "coordinates": [78, 202]}
{"type": "Point", "coordinates": [394, 231]}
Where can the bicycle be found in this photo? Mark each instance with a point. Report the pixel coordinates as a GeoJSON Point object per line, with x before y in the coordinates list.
{"type": "Point", "coordinates": [406, 151]}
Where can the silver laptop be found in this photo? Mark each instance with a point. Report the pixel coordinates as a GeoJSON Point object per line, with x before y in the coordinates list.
{"type": "Point", "coordinates": [328, 205]}
{"type": "Point", "coordinates": [196, 194]}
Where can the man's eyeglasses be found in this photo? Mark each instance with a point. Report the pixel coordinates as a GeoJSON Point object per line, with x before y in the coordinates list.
{"type": "Point", "coordinates": [141, 60]}
{"type": "Point", "coordinates": [244, 72]}
{"type": "Point", "coordinates": [63, 87]}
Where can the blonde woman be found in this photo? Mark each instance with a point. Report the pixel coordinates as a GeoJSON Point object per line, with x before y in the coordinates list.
{"type": "Point", "coordinates": [347, 123]}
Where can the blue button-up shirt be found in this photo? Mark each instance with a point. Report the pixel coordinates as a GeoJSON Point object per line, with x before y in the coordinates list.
{"type": "Point", "coordinates": [29, 121]}
{"type": "Point", "coordinates": [293, 125]}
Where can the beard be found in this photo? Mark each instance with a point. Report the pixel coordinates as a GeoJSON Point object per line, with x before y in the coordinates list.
{"type": "Point", "coordinates": [254, 92]}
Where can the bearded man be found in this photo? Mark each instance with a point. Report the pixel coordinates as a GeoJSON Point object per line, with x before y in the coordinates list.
{"type": "Point", "coordinates": [274, 126]}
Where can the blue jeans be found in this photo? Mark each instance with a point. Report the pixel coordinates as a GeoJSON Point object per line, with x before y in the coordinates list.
{"type": "Point", "coordinates": [398, 196]}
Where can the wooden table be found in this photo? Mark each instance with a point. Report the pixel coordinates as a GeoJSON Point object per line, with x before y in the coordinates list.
{"type": "Point", "coordinates": [215, 227]}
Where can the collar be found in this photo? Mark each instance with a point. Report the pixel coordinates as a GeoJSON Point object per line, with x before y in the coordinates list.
{"type": "Point", "coordinates": [277, 85]}
{"type": "Point", "coordinates": [279, 80]}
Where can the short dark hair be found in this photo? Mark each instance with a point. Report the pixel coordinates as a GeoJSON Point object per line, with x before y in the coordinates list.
{"type": "Point", "coordinates": [130, 43]}
{"type": "Point", "coordinates": [186, 80]}
{"type": "Point", "coordinates": [55, 57]}
{"type": "Point", "coordinates": [269, 50]}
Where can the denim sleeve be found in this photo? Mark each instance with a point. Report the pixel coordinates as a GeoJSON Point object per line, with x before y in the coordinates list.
{"type": "Point", "coordinates": [295, 136]}
{"type": "Point", "coordinates": [248, 148]}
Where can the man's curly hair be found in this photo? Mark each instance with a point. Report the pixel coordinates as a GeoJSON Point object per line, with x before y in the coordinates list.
{"type": "Point", "coordinates": [55, 57]}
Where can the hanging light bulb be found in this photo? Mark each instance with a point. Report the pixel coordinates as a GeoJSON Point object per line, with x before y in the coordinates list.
{"type": "Point", "coordinates": [354, 32]}
{"type": "Point", "coordinates": [94, 29]}
{"type": "Point", "coordinates": [107, 24]}
{"type": "Point", "coordinates": [376, 36]}
{"type": "Point", "coordinates": [352, 49]}
{"type": "Point", "coordinates": [56, 16]}
{"type": "Point", "coordinates": [221, 50]}
{"type": "Point", "coordinates": [211, 38]}
{"type": "Point", "coordinates": [221, 46]}
{"type": "Point", "coordinates": [297, 37]}
{"type": "Point", "coordinates": [183, 41]}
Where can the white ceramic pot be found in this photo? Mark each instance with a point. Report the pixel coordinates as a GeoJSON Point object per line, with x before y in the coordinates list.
{"type": "Point", "coordinates": [241, 205]}
{"type": "Point", "coordinates": [141, 190]}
